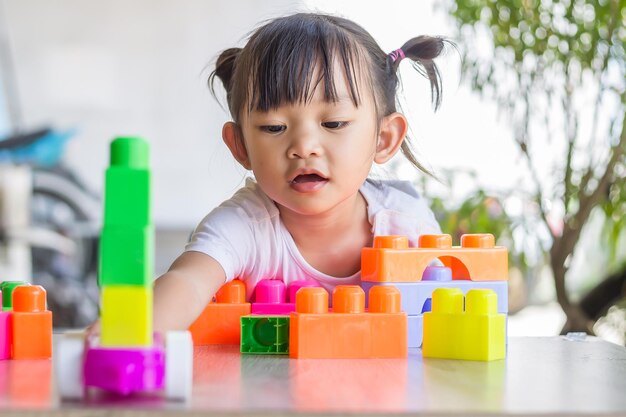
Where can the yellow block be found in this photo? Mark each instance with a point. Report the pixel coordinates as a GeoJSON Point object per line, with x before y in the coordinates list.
{"type": "Point", "coordinates": [126, 316]}
{"type": "Point", "coordinates": [478, 333]}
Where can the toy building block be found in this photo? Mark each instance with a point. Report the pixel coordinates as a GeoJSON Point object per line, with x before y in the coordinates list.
{"type": "Point", "coordinates": [415, 331]}
{"type": "Point", "coordinates": [127, 191]}
{"type": "Point", "coordinates": [415, 294]}
{"type": "Point", "coordinates": [31, 324]}
{"type": "Point", "coordinates": [219, 323]}
{"type": "Point", "coordinates": [127, 241]}
{"type": "Point", "coordinates": [270, 296]}
{"type": "Point", "coordinates": [391, 259]}
{"type": "Point", "coordinates": [125, 370]}
{"type": "Point", "coordinates": [68, 364]}
{"type": "Point", "coordinates": [5, 333]}
{"type": "Point", "coordinates": [348, 332]}
{"type": "Point", "coordinates": [478, 333]}
{"type": "Point", "coordinates": [131, 251]}
{"type": "Point", "coordinates": [178, 365]}
{"type": "Point", "coordinates": [265, 334]}
{"type": "Point", "coordinates": [126, 316]}
{"type": "Point", "coordinates": [7, 287]}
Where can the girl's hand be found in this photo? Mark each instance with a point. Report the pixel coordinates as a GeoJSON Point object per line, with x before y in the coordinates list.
{"type": "Point", "coordinates": [93, 329]}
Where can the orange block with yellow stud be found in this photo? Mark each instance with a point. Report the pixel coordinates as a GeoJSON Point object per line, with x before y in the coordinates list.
{"type": "Point", "coordinates": [348, 331]}
{"type": "Point", "coordinates": [219, 323]}
{"type": "Point", "coordinates": [32, 323]}
{"type": "Point", "coordinates": [477, 259]}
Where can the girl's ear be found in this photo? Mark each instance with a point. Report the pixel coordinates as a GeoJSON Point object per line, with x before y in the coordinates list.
{"type": "Point", "coordinates": [390, 137]}
{"type": "Point", "coordinates": [231, 134]}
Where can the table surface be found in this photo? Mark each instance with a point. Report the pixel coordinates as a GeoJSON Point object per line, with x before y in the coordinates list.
{"type": "Point", "coordinates": [540, 375]}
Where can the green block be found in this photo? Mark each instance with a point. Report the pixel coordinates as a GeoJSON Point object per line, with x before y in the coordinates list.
{"type": "Point", "coordinates": [130, 152]}
{"type": "Point", "coordinates": [265, 335]}
{"type": "Point", "coordinates": [127, 196]}
{"type": "Point", "coordinates": [126, 255]}
{"type": "Point", "coordinates": [7, 287]}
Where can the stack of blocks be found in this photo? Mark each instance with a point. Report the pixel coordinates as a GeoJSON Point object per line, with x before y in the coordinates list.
{"type": "Point", "coordinates": [25, 323]}
{"type": "Point", "coordinates": [476, 264]}
{"type": "Point", "coordinates": [127, 357]}
{"type": "Point", "coordinates": [126, 252]}
{"type": "Point", "coordinates": [348, 331]}
{"type": "Point", "coordinates": [266, 330]}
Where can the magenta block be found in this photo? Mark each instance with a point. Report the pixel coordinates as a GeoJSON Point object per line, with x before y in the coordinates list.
{"type": "Point", "coordinates": [5, 335]}
{"type": "Point", "coordinates": [125, 370]}
{"type": "Point", "coordinates": [270, 291]}
{"type": "Point", "coordinates": [296, 285]}
{"type": "Point", "coordinates": [272, 309]}
{"type": "Point", "coordinates": [270, 296]}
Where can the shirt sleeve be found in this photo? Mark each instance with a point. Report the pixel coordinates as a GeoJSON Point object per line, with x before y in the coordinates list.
{"type": "Point", "coordinates": [226, 235]}
{"type": "Point", "coordinates": [403, 212]}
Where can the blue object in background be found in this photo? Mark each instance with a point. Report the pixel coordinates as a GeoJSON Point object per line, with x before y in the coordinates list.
{"type": "Point", "coordinates": [45, 151]}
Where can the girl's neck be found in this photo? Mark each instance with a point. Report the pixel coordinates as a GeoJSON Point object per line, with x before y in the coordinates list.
{"type": "Point", "coordinates": [331, 242]}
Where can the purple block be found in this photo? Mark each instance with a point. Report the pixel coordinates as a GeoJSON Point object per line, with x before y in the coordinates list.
{"type": "Point", "coordinates": [437, 273]}
{"type": "Point", "coordinates": [272, 309]}
{"type": "Point", "coordinates": [125, 370]}
{"type": "Point", "coordinates": [413, 295]}
{"type": "Point", "coordinates": [5, 334]}
{"type": "Point", "coordinates": [415, 331]}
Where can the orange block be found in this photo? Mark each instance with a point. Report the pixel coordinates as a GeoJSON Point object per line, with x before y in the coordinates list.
{"type": "Point", "coordinates": [348, 331]}
{"type": "Point", "coordinates": [477, 259]}
{"type": "Point", "coordinates": [32, 324]}
{"type": "Point", "coordinates": [219, 323]}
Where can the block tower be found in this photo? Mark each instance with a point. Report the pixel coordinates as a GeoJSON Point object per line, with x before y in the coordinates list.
{"type": "Point", "coordinates": [476, 264]}
{"type": "Point", "coordinates": [127, 247]}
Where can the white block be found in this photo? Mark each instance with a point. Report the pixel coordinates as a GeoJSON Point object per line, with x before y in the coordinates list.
{"type": "Point", "coordinates": [67, 356]}
{"type": "Point", "coordinates": [178, 365]}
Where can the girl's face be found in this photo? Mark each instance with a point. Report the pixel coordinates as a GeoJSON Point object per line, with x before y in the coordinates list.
{"type": "Point", "coordinates": [312, 157]}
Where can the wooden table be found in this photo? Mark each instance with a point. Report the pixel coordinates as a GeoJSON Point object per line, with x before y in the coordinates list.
{"type": "Point", "coordinates": [540, 375]}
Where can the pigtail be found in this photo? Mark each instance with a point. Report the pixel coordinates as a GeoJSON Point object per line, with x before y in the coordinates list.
{"type": "Point", "coordinates": [224, 70]}
{"type": "Point", "coordinates": [423, 50]}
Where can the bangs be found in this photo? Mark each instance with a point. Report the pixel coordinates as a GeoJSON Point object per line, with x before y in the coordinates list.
{"type": "Point", "coordinates": [291, 57]}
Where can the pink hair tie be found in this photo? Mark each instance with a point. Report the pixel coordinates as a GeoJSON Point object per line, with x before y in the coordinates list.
{"type": "Point", "coordinates": [398, 54]}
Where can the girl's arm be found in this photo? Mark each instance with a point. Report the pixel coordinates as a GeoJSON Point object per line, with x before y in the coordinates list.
{"type": "Point", "coordinates": [182, 293]}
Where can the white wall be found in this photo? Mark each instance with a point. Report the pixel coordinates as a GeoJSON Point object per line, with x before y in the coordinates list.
{"type": "Point", "coordinates": [135, 67]}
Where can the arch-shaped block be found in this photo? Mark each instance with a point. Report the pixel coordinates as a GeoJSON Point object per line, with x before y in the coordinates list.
{"type": "Point", "coordinates": [476, 260]}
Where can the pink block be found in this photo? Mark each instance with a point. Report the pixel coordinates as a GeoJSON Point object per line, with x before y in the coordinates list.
{"type": "Point", "coordinates": [296, 285]}
{"type": "Point", "coordinates": [5, 335]}
{"type": "Point", "coordinates": [125, 370]}
{"type": "Point", "coordinates": [270, 291]}
{"type": "Point", "coordinates": [271, 297]}
{"type": "Point", "coordinates": [272, 309]}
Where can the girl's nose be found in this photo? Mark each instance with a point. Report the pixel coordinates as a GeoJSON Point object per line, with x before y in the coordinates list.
{"type": "Point", "coordinates": [304, 145]}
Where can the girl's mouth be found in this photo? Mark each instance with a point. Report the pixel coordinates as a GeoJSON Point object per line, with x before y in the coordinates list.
{"type": "Point", "coordinates": [307, 183]}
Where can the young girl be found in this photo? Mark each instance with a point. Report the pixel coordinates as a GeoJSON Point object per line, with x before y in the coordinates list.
{"type": "Point", "coordinates": [313, 103]}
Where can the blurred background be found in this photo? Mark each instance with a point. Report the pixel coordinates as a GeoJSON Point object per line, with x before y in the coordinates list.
{"type": "Point", "coordinates": [529, 143]}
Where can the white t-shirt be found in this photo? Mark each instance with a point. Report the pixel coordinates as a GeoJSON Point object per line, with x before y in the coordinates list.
{"type": "Point", "coordinates": [247, 237]}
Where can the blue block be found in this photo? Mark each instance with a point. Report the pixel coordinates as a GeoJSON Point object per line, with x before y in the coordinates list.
{"type": "Point", "coordinates": [415, 294]}
{"type": "Point", "coordinates": [415, 330]}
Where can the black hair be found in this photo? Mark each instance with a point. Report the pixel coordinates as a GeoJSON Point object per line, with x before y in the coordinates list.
{"type": "Point", "coordinates": [277, 65]}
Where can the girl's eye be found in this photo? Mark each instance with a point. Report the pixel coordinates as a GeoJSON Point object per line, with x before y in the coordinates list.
{"type": "Point", "coordinates": [334, 125]}
{"type": "Point", "coordinates": [273, 128]}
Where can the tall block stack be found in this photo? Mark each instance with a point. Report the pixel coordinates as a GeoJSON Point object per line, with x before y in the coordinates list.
{"type": "Point", "coordinates": [127, 248]}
